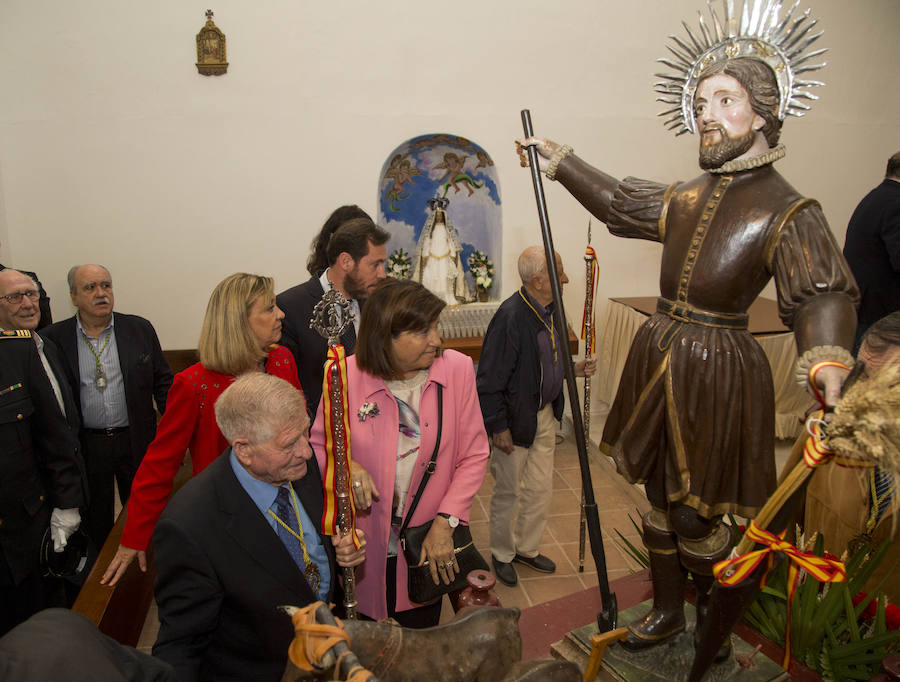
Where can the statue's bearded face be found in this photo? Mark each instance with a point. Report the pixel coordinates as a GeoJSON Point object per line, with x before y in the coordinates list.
{"type": "Point", "coordinates": [727, 124]}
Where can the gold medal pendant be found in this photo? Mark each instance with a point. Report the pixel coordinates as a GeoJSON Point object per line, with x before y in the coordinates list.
{"type": "Point", "coordinates": [100, 381]}
{"type": "Point", "coordinates": [312, 575]}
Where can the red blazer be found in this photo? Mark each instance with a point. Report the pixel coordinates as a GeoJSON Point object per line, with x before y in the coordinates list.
{"type": "Point", "coordinates": [189, 423]}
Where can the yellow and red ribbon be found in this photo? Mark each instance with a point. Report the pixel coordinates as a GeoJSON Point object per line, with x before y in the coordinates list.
{"type": "Point", "coordinates": [732, 572]}
{"type": "Point", "coordinates": [336, 366]}
{"type": "Point", "coordinates": [814, 371]}
{"type": "Point", "coordinates": [816, 453]}
{"type": "Point", "coordinates": [588, 314]}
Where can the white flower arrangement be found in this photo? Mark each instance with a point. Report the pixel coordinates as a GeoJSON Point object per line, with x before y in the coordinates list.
{"type": "Point", "coordinates": [399, 264]}
{"type": "Point", "coordinates": [482, 270]}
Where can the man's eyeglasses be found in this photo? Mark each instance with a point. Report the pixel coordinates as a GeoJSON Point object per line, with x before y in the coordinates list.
{"type": "Point", "coordinates": [16, 298]}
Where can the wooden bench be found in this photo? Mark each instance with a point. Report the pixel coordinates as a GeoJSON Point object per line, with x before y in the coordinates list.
{"type": "Point", "coordinates": [180, 360]}
{"type": "Point", "coordinates": [120, 611]}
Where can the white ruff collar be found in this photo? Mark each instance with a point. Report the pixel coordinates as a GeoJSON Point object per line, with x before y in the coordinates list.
{"type": "Point", "coordinates": [764, 159]}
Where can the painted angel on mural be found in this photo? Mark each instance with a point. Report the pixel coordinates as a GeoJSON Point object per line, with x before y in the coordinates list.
{"type": "Point", "coordinates": [437, 262]}
{"type": "Point", "coordinates": [483, 160]}
{"type": "Point", "coordinates": [401, 170]}
{"type": "Point", "coordinates": [454, 163]}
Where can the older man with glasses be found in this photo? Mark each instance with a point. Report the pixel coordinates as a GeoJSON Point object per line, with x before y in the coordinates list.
{"type": "Point", "coordinates": [20, 310]}
{"type": "Point", "coordinates": [43, 301]}
{"type": "Point", "coordinates": [41, 470]}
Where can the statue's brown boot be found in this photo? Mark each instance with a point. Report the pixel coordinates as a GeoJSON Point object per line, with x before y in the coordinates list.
{"type": "Point", "coordinates": [666, 618]}
{"type": "Point", "coordinates": [699, 557]}
{"type": "Point", "coordinates": [704, 583]}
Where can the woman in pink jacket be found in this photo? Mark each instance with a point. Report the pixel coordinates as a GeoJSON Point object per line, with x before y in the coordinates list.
{"type": "Point", "coordinates": [392, 383]}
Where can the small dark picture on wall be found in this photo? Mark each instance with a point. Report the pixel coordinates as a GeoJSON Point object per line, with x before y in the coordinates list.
{"type": "Point", "coordinates": [211, 59]}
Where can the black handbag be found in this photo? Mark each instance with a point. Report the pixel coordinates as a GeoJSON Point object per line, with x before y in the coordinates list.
{"type": "Point", "coordinates": [421, 587]}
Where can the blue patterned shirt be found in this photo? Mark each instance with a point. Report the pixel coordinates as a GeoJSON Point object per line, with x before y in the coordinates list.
{"type": "Point", "coordinates": [100, 409]}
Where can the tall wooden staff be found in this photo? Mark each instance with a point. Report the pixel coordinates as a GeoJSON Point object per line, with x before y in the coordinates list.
{"type": "Point", "coordinates": [330, 318]}
{"type": "Point", "coordinates": [607, 618]}
{"type": "Point", "coordinates": [588, 333]}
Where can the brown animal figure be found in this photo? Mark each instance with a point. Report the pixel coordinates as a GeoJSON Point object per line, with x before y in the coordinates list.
{"type": "Point", "coordinates": [481, 645]}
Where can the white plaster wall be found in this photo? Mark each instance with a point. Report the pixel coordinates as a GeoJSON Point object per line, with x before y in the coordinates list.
{"type": "Point", "coordinates": [114, 149]}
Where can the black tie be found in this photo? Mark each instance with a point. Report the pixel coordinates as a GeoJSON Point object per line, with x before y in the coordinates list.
{"type": "Point", "coordinates": [285, 511]}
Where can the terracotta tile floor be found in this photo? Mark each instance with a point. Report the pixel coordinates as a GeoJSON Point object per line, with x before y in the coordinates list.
{"type": "Point", "coordinates": [615, 498]}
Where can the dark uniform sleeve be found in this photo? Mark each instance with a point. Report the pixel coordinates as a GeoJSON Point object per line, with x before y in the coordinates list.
{"type": "Point", "coordinates": [56, 450]}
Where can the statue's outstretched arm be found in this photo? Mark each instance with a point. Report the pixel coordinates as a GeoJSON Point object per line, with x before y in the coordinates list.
{"type": "Point", "coordinates": [591, 187]}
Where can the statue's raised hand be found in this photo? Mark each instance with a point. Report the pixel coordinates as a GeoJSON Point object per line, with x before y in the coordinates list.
{"type": "Point", "coordinates": [545, 148]}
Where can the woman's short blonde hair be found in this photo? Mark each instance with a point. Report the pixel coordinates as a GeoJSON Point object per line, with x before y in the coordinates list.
{"type": "Point", "coordinates": [227, 343]}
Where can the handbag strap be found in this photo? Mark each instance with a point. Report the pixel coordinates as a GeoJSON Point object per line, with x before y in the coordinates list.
{"type": "Point", "coordinates": [431, 463]}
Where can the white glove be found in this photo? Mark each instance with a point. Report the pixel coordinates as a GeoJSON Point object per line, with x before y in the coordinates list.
{"type": "Point", "coordinates": [63, 522]}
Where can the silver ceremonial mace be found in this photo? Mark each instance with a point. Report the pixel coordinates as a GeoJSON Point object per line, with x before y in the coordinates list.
{"type": "Point", "coordinates": [331, 317]}
{"type": "Point", "coordinates": [588, 344]}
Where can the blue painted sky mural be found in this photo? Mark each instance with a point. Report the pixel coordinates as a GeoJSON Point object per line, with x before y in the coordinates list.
{"type": "Point", "coordinates": [448, 166]}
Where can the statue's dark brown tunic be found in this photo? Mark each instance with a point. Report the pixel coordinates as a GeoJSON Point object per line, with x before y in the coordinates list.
{"type": "Point", "coordinates": [696, 393]}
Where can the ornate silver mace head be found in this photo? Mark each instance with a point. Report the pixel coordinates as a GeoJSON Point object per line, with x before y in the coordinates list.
{"type": "Point", "coordinates": [331, 316]}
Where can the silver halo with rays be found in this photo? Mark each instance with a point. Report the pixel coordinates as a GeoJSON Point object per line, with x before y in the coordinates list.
{"type": "Point", "coordinates": [757, 33]}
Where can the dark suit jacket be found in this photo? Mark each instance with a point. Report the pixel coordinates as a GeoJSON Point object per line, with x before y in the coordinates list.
{"type": "Point", "coordinates": [64, 646]}
{"type": "Point", "coordinates": [221, 573]}
{"type": "Point", "coordinates": [872, 250]}
{"type": "Point", "coordinates": [509, 373]}
{"type": "Point", "coordinates": [43, 301]}
{"type": "Point", "coordinates": [40, 460]}
{"type": "Point", "coordinates": [309, 348]}
{"type": "Point", "coordinates": [146, 373]}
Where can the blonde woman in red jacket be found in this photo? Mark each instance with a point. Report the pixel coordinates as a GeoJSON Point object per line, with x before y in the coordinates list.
{"type": "Point", "coordinates": [240, 332]}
